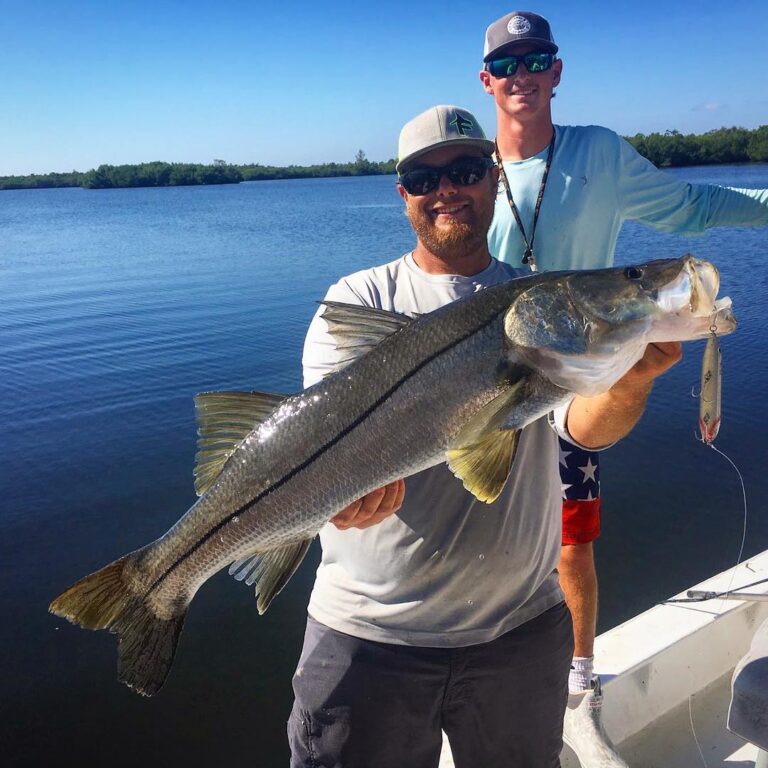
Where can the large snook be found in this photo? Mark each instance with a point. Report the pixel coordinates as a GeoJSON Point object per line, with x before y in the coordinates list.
{"type": "Point", "coordinates": [456, 385]}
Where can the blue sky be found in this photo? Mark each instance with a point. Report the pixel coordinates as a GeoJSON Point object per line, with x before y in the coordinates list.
{"type": "Point", "coordinates": [86, 82]}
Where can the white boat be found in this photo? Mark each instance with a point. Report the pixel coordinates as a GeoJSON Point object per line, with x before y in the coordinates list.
{"type": "Point", "coordinates": [667, 678]}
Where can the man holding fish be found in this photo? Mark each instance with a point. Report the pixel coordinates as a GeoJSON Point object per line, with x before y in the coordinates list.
{"type": "Point", "coordinates": [564, 193]}
{"type": "Point", "coordinates": [448, 615]}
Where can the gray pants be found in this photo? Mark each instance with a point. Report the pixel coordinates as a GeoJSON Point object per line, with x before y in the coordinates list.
{"type": "Point", "coordinates": [362, 704]}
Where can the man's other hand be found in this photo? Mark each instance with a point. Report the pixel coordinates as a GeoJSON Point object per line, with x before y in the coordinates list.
{"type": "Point", "coordinates": [372, 508]}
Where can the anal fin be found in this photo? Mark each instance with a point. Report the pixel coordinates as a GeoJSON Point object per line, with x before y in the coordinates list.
{"type": "Point", "coordinates": [270, 571]}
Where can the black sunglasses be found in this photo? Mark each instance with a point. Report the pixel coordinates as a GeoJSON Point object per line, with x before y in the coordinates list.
{"type": "Point", "coordinates": [462, 172]}
{"type": "Point", "coordinates": [507, 66]}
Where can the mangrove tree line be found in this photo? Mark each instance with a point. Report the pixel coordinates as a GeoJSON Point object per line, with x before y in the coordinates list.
{"type": "Point", "coordinates": [665, 150]}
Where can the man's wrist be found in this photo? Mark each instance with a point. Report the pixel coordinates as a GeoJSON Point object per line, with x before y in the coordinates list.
{"type": "Point", "coordinates": [596, 422]}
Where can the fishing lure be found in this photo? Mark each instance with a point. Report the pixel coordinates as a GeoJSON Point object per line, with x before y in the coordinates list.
{"type": "Point", "coordinates": [709, 398]}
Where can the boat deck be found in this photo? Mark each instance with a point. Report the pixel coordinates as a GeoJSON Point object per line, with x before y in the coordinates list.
{"type": "Point", "coordinates": [666, 677]}
{"type": "Point", "coordinates": [671, 742]}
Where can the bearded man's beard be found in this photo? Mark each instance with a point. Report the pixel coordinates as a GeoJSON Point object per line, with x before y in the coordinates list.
{"type": "Point", "coordinates": [455, 240]}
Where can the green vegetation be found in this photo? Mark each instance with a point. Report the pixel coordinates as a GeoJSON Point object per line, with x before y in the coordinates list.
{"type": "Point", "coordinates": [161, 175]}
{"type": "Point", "coordinates": [360, 167]}
{"type": "Point", "coordinates": [725, 145]}
{"type": "Point", "coordinates": [42, 181]}
{"type": "Point", "coordinates": [669, 149]}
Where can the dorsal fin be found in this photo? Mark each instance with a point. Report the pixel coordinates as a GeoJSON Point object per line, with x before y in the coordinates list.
{"type": "Point", "coordinates": [357, 330]}
{"type": "Point", "coordinates": [483, 452]}
{"type": "Point", "coordinates": [224, 419]}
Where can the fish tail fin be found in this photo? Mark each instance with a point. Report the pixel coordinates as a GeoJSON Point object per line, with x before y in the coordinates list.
{"type": "Point", "coordinates": [147, 643]}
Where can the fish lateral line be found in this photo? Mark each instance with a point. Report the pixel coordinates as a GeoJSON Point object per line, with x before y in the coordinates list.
{"type": "Point", "coordinates": [315, 456]}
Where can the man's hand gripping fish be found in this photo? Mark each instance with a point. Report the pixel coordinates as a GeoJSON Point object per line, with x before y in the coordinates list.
{"type": "Point", "coordinates": [455, 385]}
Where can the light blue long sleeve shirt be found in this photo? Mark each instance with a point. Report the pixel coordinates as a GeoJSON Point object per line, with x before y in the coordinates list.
{"type": "Point", "coordinates": [596, 182]}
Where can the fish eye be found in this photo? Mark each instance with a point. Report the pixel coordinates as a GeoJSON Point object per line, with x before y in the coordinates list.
{"type": "Point", "coordinates": [633, 273]}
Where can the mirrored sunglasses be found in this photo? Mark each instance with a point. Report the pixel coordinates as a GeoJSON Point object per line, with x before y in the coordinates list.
{"type": "Point", "coordinates": [507, 66]}
{"type": "Point", "coordinates": [463, 172]}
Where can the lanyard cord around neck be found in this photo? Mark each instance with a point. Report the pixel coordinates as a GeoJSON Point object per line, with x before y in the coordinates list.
{"type": "Point", "coordinates": [528, 257]}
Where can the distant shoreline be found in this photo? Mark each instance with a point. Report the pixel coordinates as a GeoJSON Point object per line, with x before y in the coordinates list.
{"type": "Point", "coordinates": [161, 174]}
{"type": "Point", "coordinates": [671, 149]}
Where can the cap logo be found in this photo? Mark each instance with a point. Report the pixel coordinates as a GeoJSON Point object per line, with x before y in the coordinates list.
{"type": "Point", "coordinates": [518, 25]}
{"type": "Point", "coordinates": [463, 126]}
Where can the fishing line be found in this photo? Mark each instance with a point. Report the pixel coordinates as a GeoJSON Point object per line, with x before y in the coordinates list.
{"type": "Point", "coordinates": [715, 595]}
{"type": "Point", "coordinates": [720, 594]}
{"type": "Point", "coordinates": [693, 731]}
{"type": "Point", "coordinates": [744, 529]}
{"type": "Point", "coordinates": [709, 422]}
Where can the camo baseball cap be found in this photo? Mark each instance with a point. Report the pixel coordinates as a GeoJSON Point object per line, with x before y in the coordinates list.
{"type": "Point", "coordinates": [437, 127]}
{"type": "Point", "coordinates": [518, 27]}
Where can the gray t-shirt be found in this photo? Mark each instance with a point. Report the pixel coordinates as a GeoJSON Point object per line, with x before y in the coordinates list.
{"type": "Point", "coordinates": [446, 570]}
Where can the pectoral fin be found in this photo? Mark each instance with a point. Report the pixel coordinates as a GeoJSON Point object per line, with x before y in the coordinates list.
{"type": "Point", "coordinates": [485, 448]}
{"type": "Point", "coordinates": [484, 466]}
{"type": "Point", "coordinates": [224, 419]}
{"type": "Point", "coordinates": [270, 571]}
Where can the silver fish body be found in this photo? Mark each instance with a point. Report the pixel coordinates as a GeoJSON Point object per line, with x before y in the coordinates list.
{"type": "Point", "coordinates": [456, 385]}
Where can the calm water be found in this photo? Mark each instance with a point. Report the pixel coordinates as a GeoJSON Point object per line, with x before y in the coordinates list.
{"type": "Point", "coordinates": [119, 305]}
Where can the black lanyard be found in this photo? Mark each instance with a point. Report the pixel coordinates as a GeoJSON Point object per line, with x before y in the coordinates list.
{"type": "Point", "coordinates": [528, 257]}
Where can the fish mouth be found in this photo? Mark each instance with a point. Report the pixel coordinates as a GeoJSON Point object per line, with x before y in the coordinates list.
{"type": "Point", "coordinates": [590, 331]}
{"type": "Point", "coordinates": [690, 302]}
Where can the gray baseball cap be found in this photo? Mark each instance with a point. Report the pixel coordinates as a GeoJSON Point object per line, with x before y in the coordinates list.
{"type": "Point", "coordinates": [437, 127]}
{"type": "Point", "coordinates": [518, 27]}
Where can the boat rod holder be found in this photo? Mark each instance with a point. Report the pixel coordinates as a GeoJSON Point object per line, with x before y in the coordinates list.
{"type": "Point", "coordinates": [702, 595]}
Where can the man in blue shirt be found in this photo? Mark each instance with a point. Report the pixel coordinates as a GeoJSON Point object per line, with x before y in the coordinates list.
{"type": "Point", "coordinates": [563, 196]}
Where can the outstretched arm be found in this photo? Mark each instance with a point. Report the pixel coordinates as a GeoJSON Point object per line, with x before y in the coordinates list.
{"type": "Point", "coordinates": [665, 202]}
{"type": "Point", "coordinates": [595, 422]}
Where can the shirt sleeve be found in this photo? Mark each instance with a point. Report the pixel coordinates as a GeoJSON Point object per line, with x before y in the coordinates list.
{"type": "Point", "coordinates": [659, 199]}
{"type": "Point", "coordinates": [320, 355]}
{"type": "Point", "coordinates": [557, 420]}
